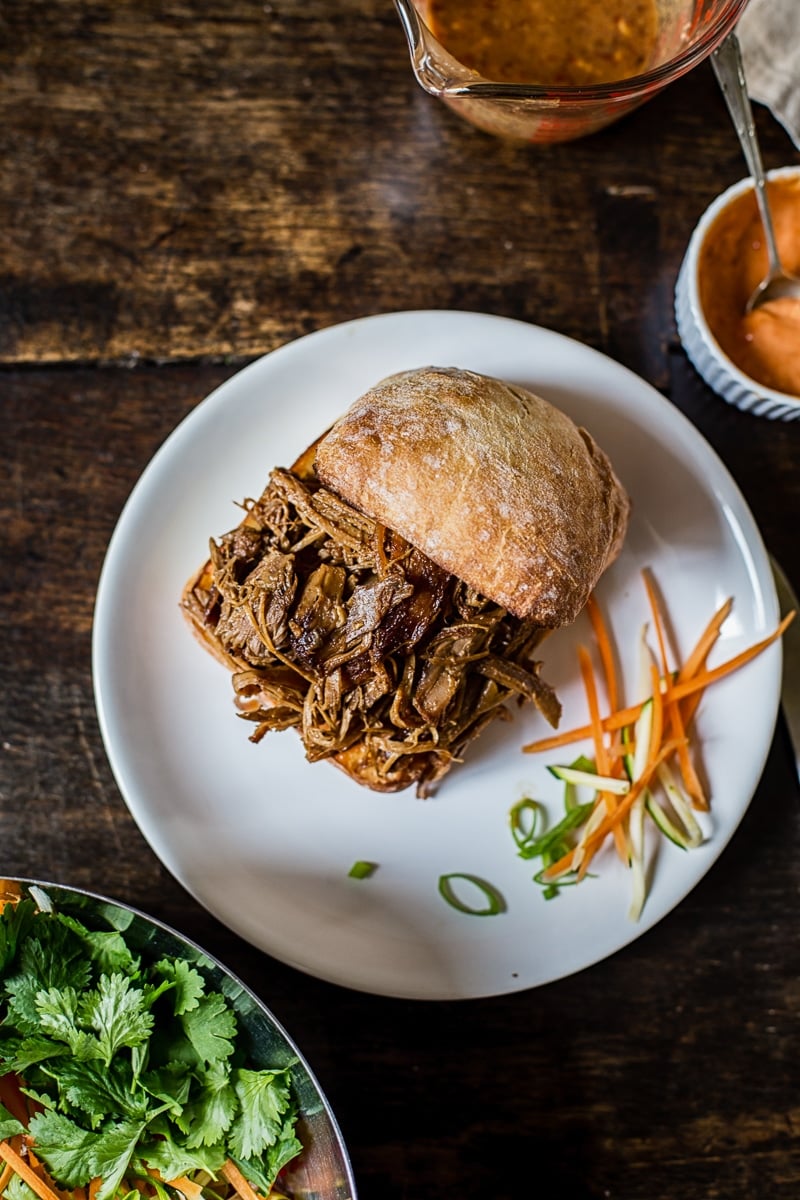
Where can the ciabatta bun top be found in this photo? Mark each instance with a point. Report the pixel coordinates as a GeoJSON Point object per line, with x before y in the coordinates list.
{"type": "Point", "coordinates": [494, 484]}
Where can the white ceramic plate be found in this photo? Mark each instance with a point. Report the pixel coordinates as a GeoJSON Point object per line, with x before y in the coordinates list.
{"type": "Point", "coordinates": [264, 840]}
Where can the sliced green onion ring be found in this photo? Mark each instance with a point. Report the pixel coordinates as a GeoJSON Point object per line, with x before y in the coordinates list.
{"type": "Point", "coordinates": [524, 817]}
{"type": "Point", "coordinates": [494, 901]}
{"type": "Point", "coordinates": [574, 818]}
{"type": "Point", "coordinates": [362, 869]}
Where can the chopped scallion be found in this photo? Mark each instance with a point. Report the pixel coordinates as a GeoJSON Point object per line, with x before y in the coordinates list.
{"type": "Point", "coordinates": [494, 901]}
{"type": "Point", "coordinates": [362, 869]}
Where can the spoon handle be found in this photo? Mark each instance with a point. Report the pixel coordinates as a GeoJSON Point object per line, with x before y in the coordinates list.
{"type": "Point", "coordinates": [729, 70]}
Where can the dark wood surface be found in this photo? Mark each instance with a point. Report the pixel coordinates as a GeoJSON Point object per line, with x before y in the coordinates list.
{"type": "Point", "coordinates": [185, 186]}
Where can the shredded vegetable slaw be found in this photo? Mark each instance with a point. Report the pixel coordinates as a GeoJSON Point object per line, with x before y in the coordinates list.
{"type": "Point", "coordinates": [645, 755]}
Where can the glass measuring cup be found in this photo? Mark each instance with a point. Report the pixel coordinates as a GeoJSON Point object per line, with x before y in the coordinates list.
{"type": "Point", "coordinates": [688, 30]}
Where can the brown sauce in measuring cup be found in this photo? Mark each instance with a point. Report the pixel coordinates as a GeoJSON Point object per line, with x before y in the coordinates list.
{"type": "Point", "coordinates": [551, 43]}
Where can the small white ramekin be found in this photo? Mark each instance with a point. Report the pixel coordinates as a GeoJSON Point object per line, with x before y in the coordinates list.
{"type": "Point", "coordinates": [702, 348]}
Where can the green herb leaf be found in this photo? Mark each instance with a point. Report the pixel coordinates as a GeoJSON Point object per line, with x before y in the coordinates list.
{"type": "Point", "coordinates": [113, 1150]}
{"type": "Point", "coordinates": [58, 1016]}
{"type": "Point", "coordinates": [98, 1089]}
{"type": "Point", "coordinates": [68, 1150]}
{"type": "Point", "coordinates": [52, 958]}
{"type": "Point", "coordinates": [15, 920]}
{"type": "Point", "coordinates": [187, 983]}
{"type": "Point", "coordinates": [210, 1028]}
{"type": "Point", "coordinates": [262, 1171]}
{"type": "Point", "coordinates": [165, 1153]}
{"type": "Point", "coordinates": [9, 1126]}
{"type": "Point", "coordinates": [264, 1098]}
{"type": "Point", "coordinates": [20, 1054]}
{"type": "Point", "coordinates": [18, 1189]}
{"type": "Point", "coordinates": [207, 1117]}
{"type": "Point", "coordinates": [118, 1013]}
{"type": "Point", "coordinates": [107, 949]}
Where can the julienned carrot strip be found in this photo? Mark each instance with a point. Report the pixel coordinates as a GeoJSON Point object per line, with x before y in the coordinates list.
{"type": "Point", "coordinates": [27, 1174]}
{"type": "Point", "coordinates": [672, 709]}
{"type": "Point", "coordinates": [600, 753]}
{"type": "Point", "coordinates": [657, 621]}
{"type": "Point", "coordinates": [657, 731]}
{"type": "Point", "coordinates": [702, 680]}
{"type": "Point", "coordinates": [587, 674]}
{"type": "Point", "coordinates": [697, 658]}
{"type": "Point", "coordinates": [690, 777]}
{"type": "Point", "coordinates": [190, 1189]}
{"type": "Point", "coordinates": [607, 658]}
{"type": "Point", "coordinates": [606, 652]}
{"type": "Point", "coordinates": [236, 1179]}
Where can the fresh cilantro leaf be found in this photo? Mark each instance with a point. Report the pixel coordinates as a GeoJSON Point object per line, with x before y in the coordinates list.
{"type": "Point", "coordinates": [95, 1090]}
{"type": "Point", "coordinates": [53, 958]}
{"type": "Point", "coordinates": [210, 1027]}
{"type": "Point", "coordinates": [113, 1150]}
{"type": "Point", "coordinates": [208, 1115]}
{"type": "Point", "coordinates": [165, 1154]}
{"type": "Point", "coordinates": [188, 984]}
{"type": "Point", "coordinates": [263, 1098]}
{"type": "Point", "coordinates": [169, 1084]}
{"type": "Point", "coordinates": [15, 920]}
{"type": "Point", "coordinates": [106, 948]}
{"type": "Point", "coordinates": [59, 1017]}
{"type": "Point", "coordinates": [9, 1126]}
{"type": "Point", "coordinates": [67, 1149]}
{"type": "Point", "coordinates": [263, 1170]}
{"type": "Point", "coordinates": [117, 1012]}
{"type": "Point", "coordinates": [18, 1189]}
{"type": "Point", "coordinates": [75, 1155]}
{"type": "Point", "coordinates": [20, 1054]}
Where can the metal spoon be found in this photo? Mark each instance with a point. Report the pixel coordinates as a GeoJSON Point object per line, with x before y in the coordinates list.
{"type": "Point", "coordinates": [729, 70]}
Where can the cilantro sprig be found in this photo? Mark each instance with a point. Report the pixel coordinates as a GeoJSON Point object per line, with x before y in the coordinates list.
{"type": "Point", "coordinates": [133, 1066]}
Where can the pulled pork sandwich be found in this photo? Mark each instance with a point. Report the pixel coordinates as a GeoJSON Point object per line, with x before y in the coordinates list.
{"type": "Point", "coordinates": [387, 595]}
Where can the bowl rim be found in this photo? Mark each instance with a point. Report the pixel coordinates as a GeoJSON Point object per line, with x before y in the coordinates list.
{"type": "Point", "coordinates": [689, 271]}
{"type": "Point", "coordinates": [420, 38]}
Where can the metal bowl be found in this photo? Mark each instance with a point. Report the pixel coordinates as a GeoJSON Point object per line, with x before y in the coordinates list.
{"type": "Point", "coordinates": [322, 1171]}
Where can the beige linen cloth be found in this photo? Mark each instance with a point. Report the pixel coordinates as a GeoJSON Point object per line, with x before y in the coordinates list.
{"type": "Point", "coordinates": [769, 35]}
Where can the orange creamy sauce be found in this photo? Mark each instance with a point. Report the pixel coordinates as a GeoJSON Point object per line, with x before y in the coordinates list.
{"type": "Point", "coordinates": [764, 344]}
{"type": "Point", "coordinates": [548, 42]}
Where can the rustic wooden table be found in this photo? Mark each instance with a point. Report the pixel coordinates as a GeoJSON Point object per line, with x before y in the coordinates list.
{"type": "Point", "coordinates": [185, 187]}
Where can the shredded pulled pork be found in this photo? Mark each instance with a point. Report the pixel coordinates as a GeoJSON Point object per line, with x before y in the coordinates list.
{"type": "Point", "coordinates": [335, 625]}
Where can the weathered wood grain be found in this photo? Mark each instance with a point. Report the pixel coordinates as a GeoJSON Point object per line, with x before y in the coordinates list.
{"type": "Point", "coordinates": [184, 186]}
{"type": "Point", "coordinates": [182, 181]}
